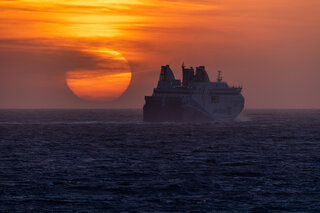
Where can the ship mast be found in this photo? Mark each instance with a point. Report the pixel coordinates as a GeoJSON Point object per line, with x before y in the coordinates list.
{"type": "Point", "coordinates": [219, 78]}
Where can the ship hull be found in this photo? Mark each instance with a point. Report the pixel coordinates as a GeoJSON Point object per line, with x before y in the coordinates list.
{"type": "Point", "coordinates": [174, 109]}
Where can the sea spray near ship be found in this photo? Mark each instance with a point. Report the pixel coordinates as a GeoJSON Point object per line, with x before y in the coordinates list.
{"type": "Point", "coordinates": [196, 99]}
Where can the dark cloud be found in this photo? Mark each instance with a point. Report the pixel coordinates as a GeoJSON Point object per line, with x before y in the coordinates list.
{"type": "Point", "coordinates": [37, 78]}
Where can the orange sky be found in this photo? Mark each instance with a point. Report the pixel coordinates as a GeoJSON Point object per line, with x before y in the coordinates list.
{"type": "Point", "coordinates": [270, 47]}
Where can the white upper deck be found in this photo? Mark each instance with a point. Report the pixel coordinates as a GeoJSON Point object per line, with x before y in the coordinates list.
{"type": "Point", "coordinates": [193, 82]}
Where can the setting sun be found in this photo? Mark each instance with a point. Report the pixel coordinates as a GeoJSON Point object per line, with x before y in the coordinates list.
{"type": "Point", "coordinates": [98, 87]}
{"type": "Point", "coordinates": [104, 84]}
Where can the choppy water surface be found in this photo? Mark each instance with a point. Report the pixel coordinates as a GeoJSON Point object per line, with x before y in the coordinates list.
{"type": "Point", "coordinates": [110, 161]}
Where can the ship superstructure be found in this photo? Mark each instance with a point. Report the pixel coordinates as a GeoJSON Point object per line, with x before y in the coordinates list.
{"type": "Point", "coordinates": [195, 99]}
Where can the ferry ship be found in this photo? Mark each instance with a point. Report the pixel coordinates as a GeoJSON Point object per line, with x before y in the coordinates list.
{"type": "Point", "coordinates": [195, 99]}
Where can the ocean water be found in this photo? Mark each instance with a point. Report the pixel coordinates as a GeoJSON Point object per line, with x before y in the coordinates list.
{"type": "Point", "coordinates": [110, 161]}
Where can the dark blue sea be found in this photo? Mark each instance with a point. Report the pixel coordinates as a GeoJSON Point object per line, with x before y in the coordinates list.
{"type": "Point", "coordinates": [110, 161]}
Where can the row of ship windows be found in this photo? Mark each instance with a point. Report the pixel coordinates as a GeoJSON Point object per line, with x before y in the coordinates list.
{"type": "Point", "coordinates": [216, 100]}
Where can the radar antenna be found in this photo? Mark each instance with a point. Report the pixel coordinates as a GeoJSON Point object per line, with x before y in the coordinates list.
{"type": "Point", "coordinates": [219, 78]}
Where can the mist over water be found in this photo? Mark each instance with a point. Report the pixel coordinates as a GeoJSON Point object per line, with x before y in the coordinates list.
{"type": "Point", "coordinates": [109, 160]}
{"type": "Point", "coordinates": [243, 117]}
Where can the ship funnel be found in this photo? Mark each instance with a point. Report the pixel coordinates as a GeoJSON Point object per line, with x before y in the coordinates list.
{"type": "Point", "coordinates": [188, 75]}
{"type": "Point", "coordinates": [167, 79]}
{"type": "Point", "coordinates": [166, 74]}
{"type": "Point", "coordinates": [201, 74]}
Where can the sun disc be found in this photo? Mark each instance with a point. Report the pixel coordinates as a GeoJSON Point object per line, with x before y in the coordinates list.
{"type": "Point", "coordinates": [104, 84]}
